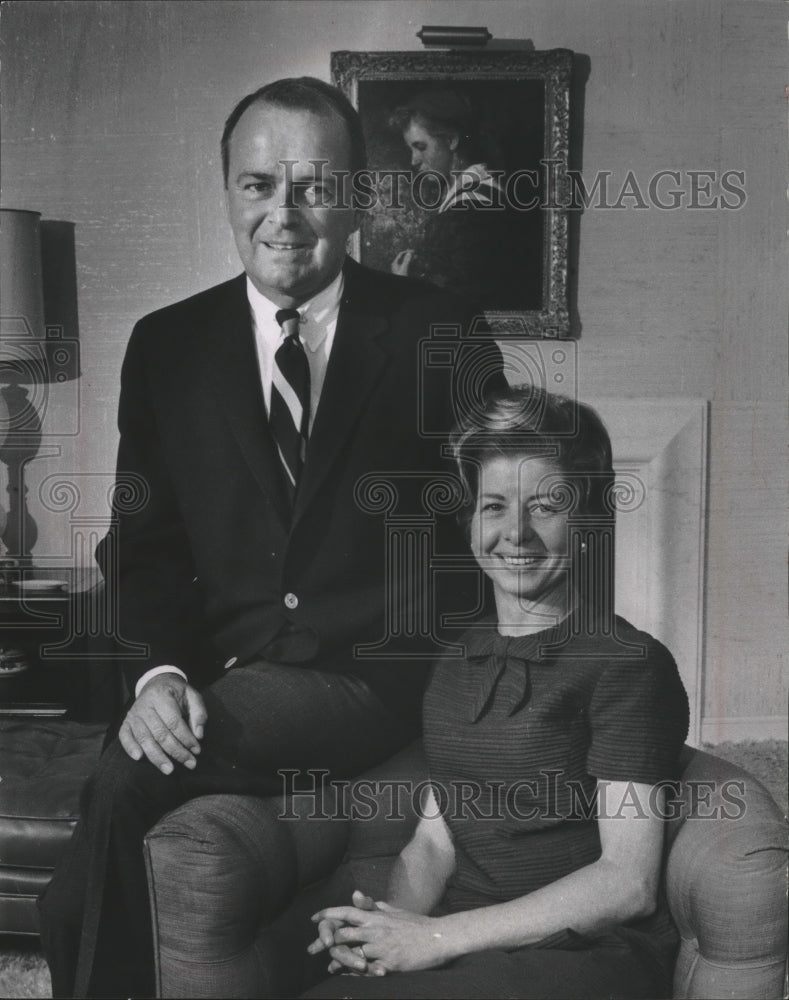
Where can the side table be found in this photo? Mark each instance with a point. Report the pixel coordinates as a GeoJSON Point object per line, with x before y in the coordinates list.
{"type": "Point", "coordinates": [51, 663]}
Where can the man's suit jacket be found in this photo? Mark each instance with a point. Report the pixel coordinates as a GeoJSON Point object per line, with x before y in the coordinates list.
{"type": "Point", "coordinates": [207, 560]}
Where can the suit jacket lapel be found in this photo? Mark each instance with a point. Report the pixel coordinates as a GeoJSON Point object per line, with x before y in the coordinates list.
{"type": "Point", "coordinates": [357, 359]}
{"type": "Point", "coordinates": [235, 379]}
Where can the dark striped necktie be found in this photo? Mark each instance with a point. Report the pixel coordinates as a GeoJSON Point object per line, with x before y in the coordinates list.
{"type": "Point", "coordinates": [289, 416]}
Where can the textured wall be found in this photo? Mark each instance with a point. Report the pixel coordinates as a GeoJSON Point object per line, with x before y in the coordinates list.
{"type": "Point", "coordinates": [111, 115]}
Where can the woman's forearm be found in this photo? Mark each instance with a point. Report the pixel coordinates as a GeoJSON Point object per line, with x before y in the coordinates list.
{"type": "Point", "coordinates": [620, 886]}
{"type": "Point", "coordinates": [586, 901]}
{"type": "Point", "coordinates": [423, 867]}
{"type": "Point", "coordinates": [419, 877]}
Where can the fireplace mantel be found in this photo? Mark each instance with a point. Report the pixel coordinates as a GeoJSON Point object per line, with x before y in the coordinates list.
{"type": "Point", "coordinates": [660, 537]}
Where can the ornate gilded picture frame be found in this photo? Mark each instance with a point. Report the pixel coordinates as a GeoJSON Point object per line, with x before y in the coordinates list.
{"type": "Point", "coordinates": [468, 181]}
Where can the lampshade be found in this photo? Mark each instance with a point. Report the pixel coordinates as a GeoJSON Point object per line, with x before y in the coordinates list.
{"type": "Point", "coordinates": [21, 288]}
{"type": "Point", "coordinates": [39, 327]}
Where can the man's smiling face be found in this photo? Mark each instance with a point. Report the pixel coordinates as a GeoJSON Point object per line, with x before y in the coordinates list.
{"type": "Point", "coordinates": [284, 200]}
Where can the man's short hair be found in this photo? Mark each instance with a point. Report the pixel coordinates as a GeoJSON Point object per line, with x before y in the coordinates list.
{"type": "Point", "coordinates": [302, 93]}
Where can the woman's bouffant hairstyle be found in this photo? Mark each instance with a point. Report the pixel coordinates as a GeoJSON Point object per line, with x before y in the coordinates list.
{"type": "Point", "coordinates": [530, 422]}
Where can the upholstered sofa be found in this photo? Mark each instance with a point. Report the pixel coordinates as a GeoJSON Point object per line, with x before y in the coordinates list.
{"type": "Point", "coordinates": [234, 879]}
{"type": "Point", "coordinates": [43, 765]}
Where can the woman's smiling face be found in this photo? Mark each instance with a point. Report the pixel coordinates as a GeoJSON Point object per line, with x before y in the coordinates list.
{"type": "Point", "coordinates": [519, 538]}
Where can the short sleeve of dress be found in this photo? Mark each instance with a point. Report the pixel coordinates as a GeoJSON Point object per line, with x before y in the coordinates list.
{"type": "Point", "coordinates": [638, 719]}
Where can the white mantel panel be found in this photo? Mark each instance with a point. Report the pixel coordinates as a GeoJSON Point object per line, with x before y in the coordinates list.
{"type": "Point", "coordinates": [660, 544]}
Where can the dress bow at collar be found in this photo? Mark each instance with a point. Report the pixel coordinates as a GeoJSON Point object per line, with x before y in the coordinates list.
{"type": "Point", "coordinates": [493, 657]}
{"type": "Point", "coordinates": [503, 663]}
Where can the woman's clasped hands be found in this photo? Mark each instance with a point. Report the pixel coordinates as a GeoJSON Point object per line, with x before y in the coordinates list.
{"type": "Point", "coordinates": [372, 938]}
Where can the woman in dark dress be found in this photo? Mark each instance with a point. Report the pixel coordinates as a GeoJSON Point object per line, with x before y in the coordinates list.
{"type": "Point", "coordinates": [535, 870]}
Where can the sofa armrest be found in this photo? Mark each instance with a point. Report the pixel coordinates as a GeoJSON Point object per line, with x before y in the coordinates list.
{"type": "Point", "coordinates": [726, 883]}
{"type": "Point", "coordinates": [219, 868]}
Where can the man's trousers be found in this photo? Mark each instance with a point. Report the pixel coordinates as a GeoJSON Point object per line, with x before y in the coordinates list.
{"type": "Point", "coordinates": [262, 717]}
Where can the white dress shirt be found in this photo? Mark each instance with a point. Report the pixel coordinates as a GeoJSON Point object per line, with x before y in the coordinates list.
{"type": "Point", "coordinates": [318, 322]}
{"type": "Point", "coordinates": [317, 325]}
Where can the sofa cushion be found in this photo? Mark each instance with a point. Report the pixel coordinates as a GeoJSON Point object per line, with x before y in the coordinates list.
{"type": "Point", "coordinates": [43, 765]}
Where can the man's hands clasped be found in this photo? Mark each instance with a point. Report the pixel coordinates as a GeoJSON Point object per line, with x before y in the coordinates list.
{"type": "Point", "coordinates": [372, 938]}
{"type": "Point", "coordinates": [165, 723]}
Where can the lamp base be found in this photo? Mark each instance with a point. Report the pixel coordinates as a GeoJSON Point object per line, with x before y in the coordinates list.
{"type": "Point", "coordinates": [21, 444]}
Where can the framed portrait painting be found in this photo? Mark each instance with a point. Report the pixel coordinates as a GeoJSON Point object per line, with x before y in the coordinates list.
{"type": "Point", "coordinates": [468, 181]}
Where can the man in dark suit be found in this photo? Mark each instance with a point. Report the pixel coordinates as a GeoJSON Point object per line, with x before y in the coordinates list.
{"type": "Point", "coordinates": [258, 421]}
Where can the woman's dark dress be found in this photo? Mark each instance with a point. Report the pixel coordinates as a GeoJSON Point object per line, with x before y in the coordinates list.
{"type": "Point", "coordinates": [517, 734]}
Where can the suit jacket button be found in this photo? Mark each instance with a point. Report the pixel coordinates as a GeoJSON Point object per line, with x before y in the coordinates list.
{"type": "Point", "coordinates": [291, 601]}
{"type": "Point", "coordinates": [231, 662]}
